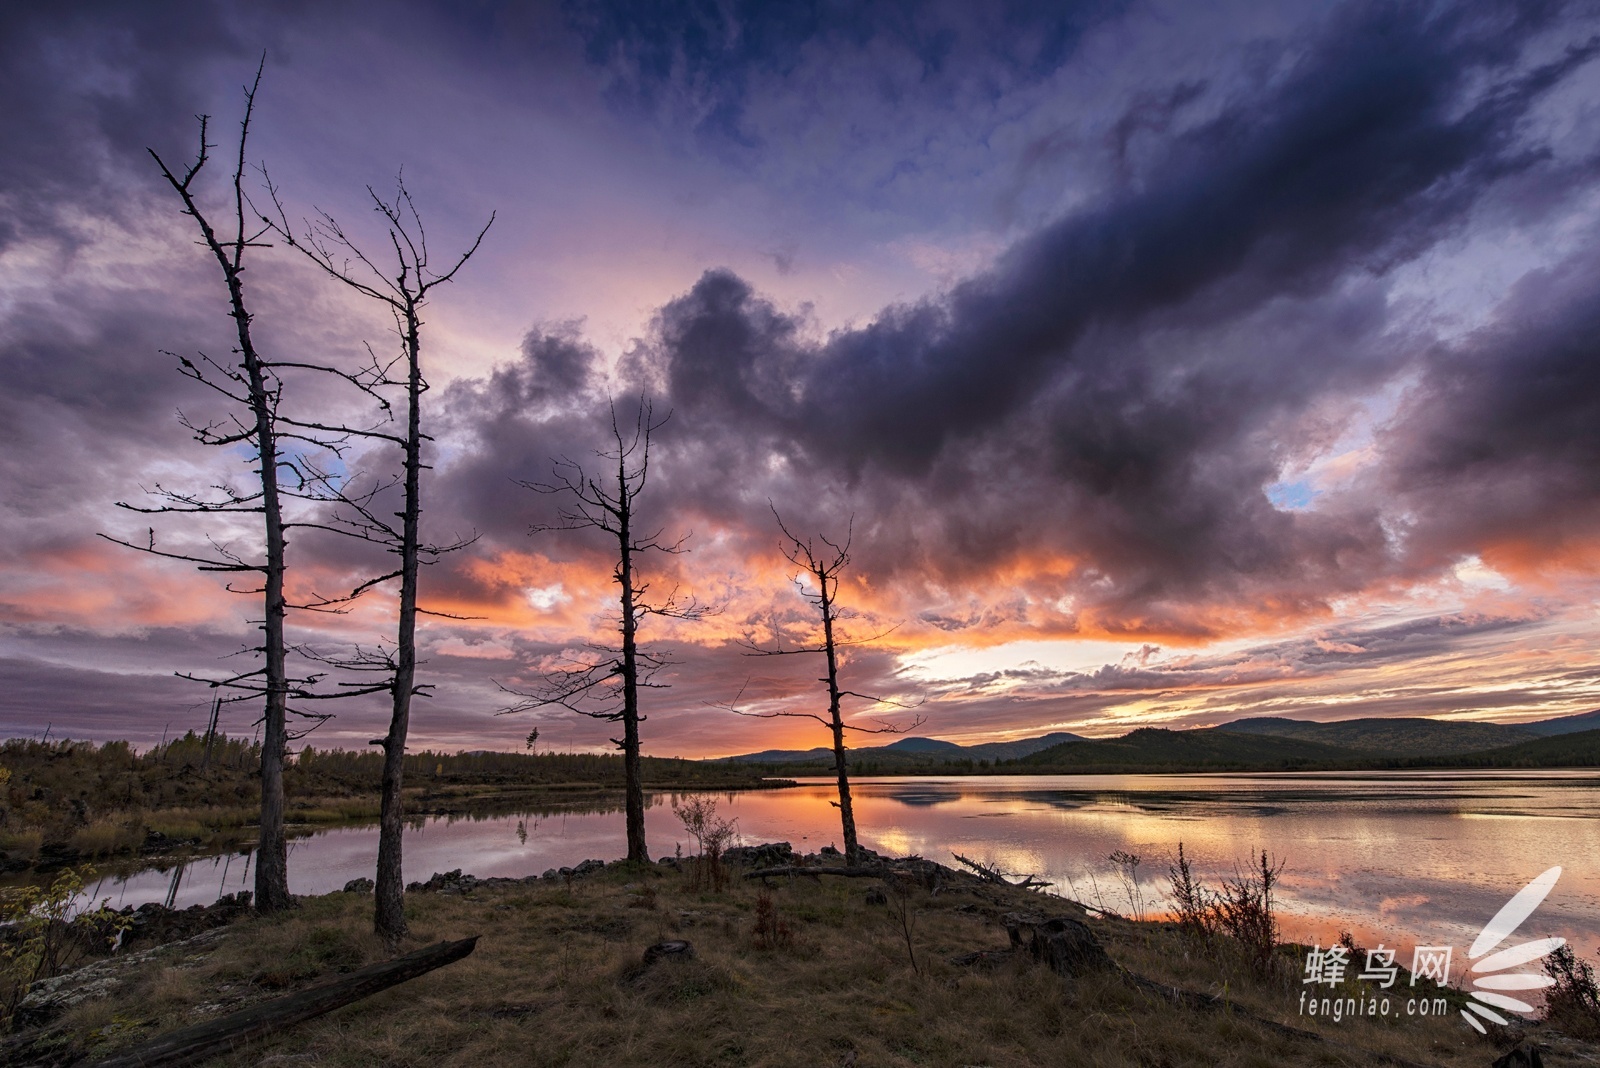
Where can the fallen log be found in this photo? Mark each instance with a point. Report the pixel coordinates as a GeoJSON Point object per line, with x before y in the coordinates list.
{"type": "Point", "coordinates": [848, 873]}
{"type": "Point", "coordinates": [219, 1036]}
{"type": "Point", "coordinates": [990, 874]}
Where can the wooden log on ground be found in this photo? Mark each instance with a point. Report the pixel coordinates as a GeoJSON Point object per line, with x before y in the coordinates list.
{"type": "Point", "coordinates": [848, 873]}
{"type": "Point", "coordinates": [991, 874]}
{"type": "Point", "coordinates": [219, 1036]}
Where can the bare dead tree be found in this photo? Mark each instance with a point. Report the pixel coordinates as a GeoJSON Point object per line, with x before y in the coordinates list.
{"type": "Point", "coordinates": [251, 383]}
{"type": "Point", "coordinates": [606, 685]}
{"type": "Point", "coordinates": [818, 582]}
{"type": "Point", "coordinates": [404, 292]}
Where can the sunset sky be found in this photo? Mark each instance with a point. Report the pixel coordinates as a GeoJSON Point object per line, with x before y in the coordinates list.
{"type": "Point", "coordinates": [1175, 362]}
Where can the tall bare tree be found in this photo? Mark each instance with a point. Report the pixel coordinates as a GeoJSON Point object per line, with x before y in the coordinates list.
{"type": "Point", "coordinates": [606, 686]}
{"type": "Point", "coordinates": [252, 384]}
{"type": "Point", "coordinates": [818, 582]}
{"type": "Point", "coordinates": [404, 292]}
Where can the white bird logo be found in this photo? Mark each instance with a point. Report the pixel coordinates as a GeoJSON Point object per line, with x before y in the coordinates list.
{"type": "Point", "coordinates": [1490, 973]}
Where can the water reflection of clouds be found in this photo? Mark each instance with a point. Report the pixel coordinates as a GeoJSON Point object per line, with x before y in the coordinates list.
{"type": "Point", "coordinates": [1400, 859]}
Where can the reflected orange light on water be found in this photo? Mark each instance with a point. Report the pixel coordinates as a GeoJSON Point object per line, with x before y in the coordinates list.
{"type": "Point", "coordinates": [1397, 859]}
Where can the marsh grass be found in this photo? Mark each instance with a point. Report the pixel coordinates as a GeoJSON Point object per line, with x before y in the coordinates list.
{"type": "Point", "coordinates": [557, 979]}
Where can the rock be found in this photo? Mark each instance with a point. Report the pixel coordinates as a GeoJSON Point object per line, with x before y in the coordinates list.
{"type": "Point", "coordinates": [672, 949]}
{"type": "Point", "coordinates": [449, 882]}
{"type": "Point", "coordinates": [766, 855]}
{"type": "Point", "coordinates": [828, 851]}
{"type": "Point", "coordinates": [48, 998]}
{"type": "Point", "coordinates": [1521, 1057]}
{"type": "Point", "coordinates": [359, 886]}
{"type": "Point", "coordinates": [550, 873]}
{"type": "Point", "coordinates": [876, 896]}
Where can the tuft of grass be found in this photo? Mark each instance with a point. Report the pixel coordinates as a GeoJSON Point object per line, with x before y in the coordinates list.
{"type": "Point", "coordinates": [103, 837]}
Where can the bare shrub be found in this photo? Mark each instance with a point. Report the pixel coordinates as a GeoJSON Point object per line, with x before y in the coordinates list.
{"type": "Point", "coordinates": [771, 930]}
{"type": "Point", "coordinates": [1195, 905]}
{"type": "Point", "coordinates": [1127, 865]}
{"type": "Point", "coordinates": [901, 886]}
{"type": "Point", "coordinates": [712, 835]}
{"type": "Point", "coordinates": [1244, 912]}
{"type": "Point", "coordinates": [1573, 1004]}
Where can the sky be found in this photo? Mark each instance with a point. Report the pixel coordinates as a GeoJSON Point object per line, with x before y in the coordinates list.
{"type": "Point", "coordinates": [1164, 363]}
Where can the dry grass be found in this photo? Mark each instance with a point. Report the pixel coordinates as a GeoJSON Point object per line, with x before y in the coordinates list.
{"type": "Point", "coordinates": [557, 980]}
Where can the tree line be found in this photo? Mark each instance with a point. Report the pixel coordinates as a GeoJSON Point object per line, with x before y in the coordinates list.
{"type": "Point", "coordinates": [304, 477]}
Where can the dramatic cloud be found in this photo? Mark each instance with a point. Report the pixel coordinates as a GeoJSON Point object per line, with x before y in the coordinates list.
{"type": "Point", "coordinates": [1226, 363]}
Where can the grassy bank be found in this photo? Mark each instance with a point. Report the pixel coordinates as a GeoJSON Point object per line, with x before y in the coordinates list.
{"type": "Point", "coordinates": [821, 974]}
{"type": "Point", "coordinates": [67, 802]}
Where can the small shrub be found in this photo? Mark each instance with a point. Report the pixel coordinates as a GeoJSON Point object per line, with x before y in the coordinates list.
{"type": "Point", "coordinates": [713, 835]}
{"type": "Point", "coordinates": [1573, 1004]}
{"type": "Point", "coordinates": [47, 930]}
{"type": "Point", "coordinates": [1195, 905]}
{"type": "Point", "coordinates": [1245, 913]}
{"type": "Point", "coordinates": [900, 886]}
{"type": "Point", "coordinates": [1127, 865]}
{"type": "Point", "coordinates": [771, 930]}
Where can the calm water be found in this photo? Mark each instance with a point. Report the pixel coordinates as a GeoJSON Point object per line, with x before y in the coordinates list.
{"type": "Point", "coordinates": [1404, 859]}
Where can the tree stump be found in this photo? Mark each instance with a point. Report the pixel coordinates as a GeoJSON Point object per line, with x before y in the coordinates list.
{"type": "Point", "coordinates": [672, 949]}
{"type": "Point", "coordinates": [1065, 945]}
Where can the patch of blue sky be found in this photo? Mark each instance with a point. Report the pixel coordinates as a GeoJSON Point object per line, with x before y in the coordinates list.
{"type": "Point", "coordinates": [1296, 496]}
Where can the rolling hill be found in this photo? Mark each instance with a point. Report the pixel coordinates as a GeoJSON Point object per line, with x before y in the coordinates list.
{"type": "Point", "coordinates": [1389, 737]}
{"type": "Point", "coordinates": [1155, 747]}
{"type": "Point", "coordinates": [1578, 749]}
{"type": "Point", "coordinates": [912, 751]}
{"type": "Point", "coordinates": [1583, 721]}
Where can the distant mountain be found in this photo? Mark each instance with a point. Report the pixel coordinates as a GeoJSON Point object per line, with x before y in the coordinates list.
{"type": "Point", "coordinates": [1261, 744]}
{"type": "Point", "coordinates": [1018, 750]}
{"type": "Point", "coordinates": [782, 756]}
{"type": "Point", "coordinates": [1400, 736]}
{"type": "Point", "coordinates": [1155, 748]}
{"type": "Point", "coordinates": [1577, 749]}
{"type": "Point", "coordinates": [921, 745]}
{"type": "Point", "coordinates": [1583, 721]}
{"type": "Point", "coordinates": [911, 751]}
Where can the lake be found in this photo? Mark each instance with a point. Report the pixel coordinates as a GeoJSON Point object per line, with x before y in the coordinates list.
{"type": "Point", "coordinates": [1400, 858]}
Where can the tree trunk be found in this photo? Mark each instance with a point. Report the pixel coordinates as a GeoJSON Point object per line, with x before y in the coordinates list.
{"type": "Point", "coordinates": [272, 853]}
{"type": "Point", "coordinates": [847, 815]}
{"type": "Point", "coordinates": [633, 800]}
{"type": "Point", "coordinates": [389, 918]}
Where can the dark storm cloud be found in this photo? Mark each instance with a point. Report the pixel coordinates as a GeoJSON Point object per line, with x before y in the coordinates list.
{"type": "Point", "coordinates": [1499, 444]}
{"type": "Point", "coordinates": [1373, 144]}
{"type": "Point", "coordinates": [695, 62]}
{"type": "Point", "coordinates": [1148, 357]}
{"type": "Point", "coordinates": [87, 87]}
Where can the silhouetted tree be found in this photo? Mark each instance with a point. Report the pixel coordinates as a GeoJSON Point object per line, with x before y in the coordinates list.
{"type": "Point", "coordinates": [818, 583]}
{"type": "Point", "coordinates": [607, 686]}
{"type": "Point", "coordinates": [253, 385]}
{"type": "Point", "coordinates": [404, 293]}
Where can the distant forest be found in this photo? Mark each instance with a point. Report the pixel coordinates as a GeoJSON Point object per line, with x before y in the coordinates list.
{"type": "Point", "coordinates": [70, 799]}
